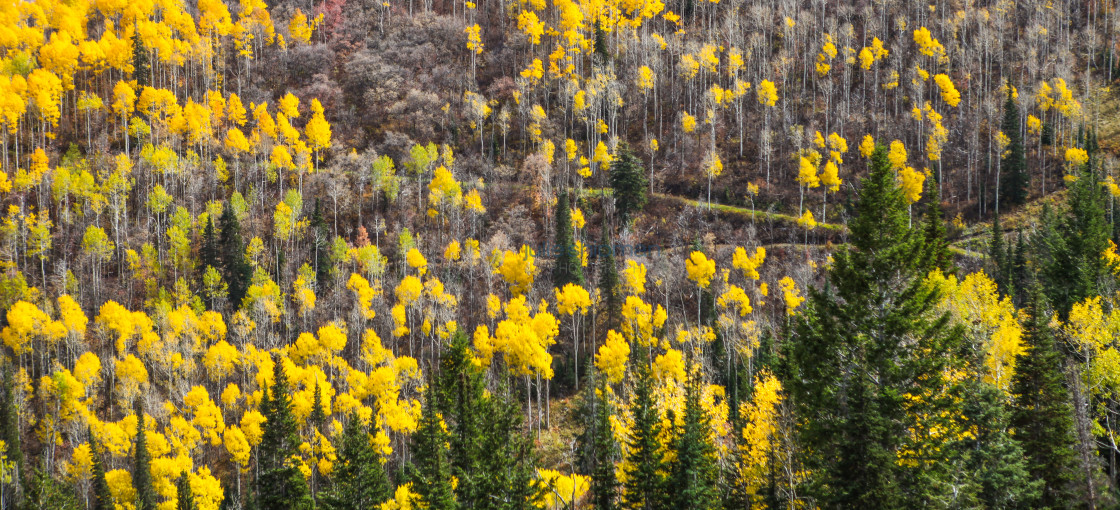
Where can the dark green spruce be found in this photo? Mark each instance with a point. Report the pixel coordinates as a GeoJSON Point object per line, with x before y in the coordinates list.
{"type": "Point", "coordinates": [867, 338]}
{"type": "Point", "coordinates": [568, 268]}
{"type": "Point", "coordinates": [281, 485]}
{"type": "Point", "coordinates": [1042, 419]}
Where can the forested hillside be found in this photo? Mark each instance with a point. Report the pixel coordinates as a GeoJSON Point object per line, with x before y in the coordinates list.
{"type": "Point", "coordinates": [354, 254]}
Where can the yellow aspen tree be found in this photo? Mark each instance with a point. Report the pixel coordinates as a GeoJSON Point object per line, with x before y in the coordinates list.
{"type": "Point", "coordinates": [318, 131]}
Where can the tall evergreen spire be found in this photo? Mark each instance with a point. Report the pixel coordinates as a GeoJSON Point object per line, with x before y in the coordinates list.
{"type": "Point", "coordinates": [693, 472]}
{"type": "Point", "coordinates": [645, 474]}
{"type": "Point", "coordinates": [867, 348]}
{"type": "Point", "coordinates": [568, 268]}
{"type": "Point", "coordinates": [282, 485]}
{"type": "Point", "coordinates": [1043, 416]}
{"type": "Point", "coordinates": [142, 464]}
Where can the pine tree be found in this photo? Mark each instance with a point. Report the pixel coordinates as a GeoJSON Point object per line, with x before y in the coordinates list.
{"type": "Point", "coordinates": [235, 269]}
{"type": "Point", "coordinates": [604, 482]}
{"type": "Point", "coordinates": [281, 484]}
{"type": "Point", "coordinates": [997, 255]}
{"type": "Point", "coordinates": [141, 68]}
{"type": "Point", "coordinates": [693, 473]}
{"type": "Point", "coordinates": [321, 245]}
{"type": "Point", "coordinates": [431, 471]}
{"type": "Point", "coordinates": [568, 268]}
{"type": "Point", "coordinates": [1017, 269]}
{"type": "Point", "coordinates": [936, 254]}
{"type": "Point", "coordinates": [865, 346]}
{"type": "Point", "coordinates": [209, 253]}
{"type": "Point", "coordinates": [994, 459]}
{"type": "Point", "coordinates": [608, 277]}
{"type": "Point", "coordinates": [1070, 244]}
{"type": "Point", "coordinates": [360, 482]}
{"type": "Point", "coordinates": [462, 391]}
{"type": "Point", "coordinates": [645, 475]}
{"type": "Point", "coordinates": [102, 497]}
{"type": "Point", "coordinates": [629, 183]}
{"type": "Point", "coordinates": [318, 416]}
{"type": "Point", "coordinates": [43, 491]}
{"type": "Point", "coordinates": [183, 496]}
{"type": "Point", "coordinates": [1013, 163]}
{"type": "Point", "coordinates": [142, 464]}
{"type": "Point", "coordinates": [1042, 419]}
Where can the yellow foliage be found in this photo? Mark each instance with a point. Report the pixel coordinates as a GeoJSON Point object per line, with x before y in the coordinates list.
{"type": "Point", "coordinates": [612, 357]}
{"type": "Point", "coordinates": [700, 269]}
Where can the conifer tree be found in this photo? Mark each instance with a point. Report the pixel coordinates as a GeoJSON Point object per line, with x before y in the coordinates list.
{"type": "Point", "coordinates": [1042, 419]}
{"type": "Point", "coordinates": [43, 491]}
{"type": "Point", "coordinates": [102, 497]}
{"type": "Point", "coordinates": [1018, 278]}
{"type": "Point", "coordinates": [863, 344]}
{"type": "Point", "coordinates": [431, 470]}
{"type": "Point", "coordinates": [318, 416]}
{"type": "Point", "coordinates": [645, 475]}
{"type": "Point", "coordinates": [568, 268]}
{"type": "Point", "coordinates": [183, 496]}
{"type": "Point", "coordinates": [360, 482]}
{"type": "Point", "coordinates": [608, 277]}
{"type": "Point", "coordinates": [995, 460]}
{"type": "Point", "coordinates": [209, 253]}
{"type": "Point", "coordinates": [604, 482]}
{"type": "Point", "coordinates": [462, 391]}
{"type": "Point", "coordinates": [281, 484]}
{"type": "Point", "coordinates": [141, 67]}
{"type": "Point", "coordinates": [936, 254]}
{"type": "Point", "coordinates": [142, 464]}
{"type": "Point", "coordinates": [1013, 162]}
{"type": "Point", "coordinates": [235, 269]}
{"type": "Point", "coordinates": [629, 183]}
{"type": "Point", "coordinates": [1070, 244]}
{"type": "Point", "coordinates": [321, 246]}
{"type": "Point", "coordinates": [693, 473]}
{"type": "Point", "coordinates": [997, 255]}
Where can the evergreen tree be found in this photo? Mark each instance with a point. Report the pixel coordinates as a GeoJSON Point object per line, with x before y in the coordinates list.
{"type": "Point", "coordinates": [995, 460]}
{"type": "Point", "coordinates": [102, 497]}
{"type": "Point", "coordinates": [1042, 419]}
{"type": "Point", "coordinates": [936, 253]}
{"type": "Point", "coordinates": [142, 464]}
{"type": "Point", "coordinates": [693, 473]}
{"type": "Point", "coordinates": [321, 246]}
{"type": "Point", "coordinates": [869, 355]}
{"type": "Point", "coordinates": [430, 470]}
{"type": "Point", "coordinates": [360, 482]}
{"type": "Point", "coordinates": [1013, 162]}
{"type": "Point", "coordinates": [1017, 278]}
{"type": "Point", "coordinates": [568, 268]}
{"type": "Point", "coordinates": [608, 277]}
{"type": "Point", "coordinates": [318, 416]}
{"type": "Point", "coordinates": [141, 67]}
{"type": "Point", "coordinates": [645, 474]}
{"type": "Point", "coordinates": [281, 485]}
{"type": "Point", "coordinates": [629, 183]}
{"type": "Point", "coordinates": [462, 391]}
{"type": "Point", "coordinates": [604, 482]}
{"type": "Point", "coordinates": [209, 253]}
{"type": "Point", "coordinates": [1070, 244]}
{"type": "Point", "coordinates": [183, 496]}
{"type": "Point", "coordinates": [44, 492]}
{"type": "Point", "coordinates": [235, 269]}
{"type": "Point", "coordinates": [997, 256]}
